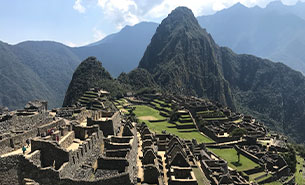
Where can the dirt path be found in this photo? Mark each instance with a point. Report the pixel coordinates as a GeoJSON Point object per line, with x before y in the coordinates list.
{"type": "Point", "coordinates": [161, 153]}
{"type": "Point", "coordinates": [18, 151]}
{"type": "Point", "coordinates": [139, 162]}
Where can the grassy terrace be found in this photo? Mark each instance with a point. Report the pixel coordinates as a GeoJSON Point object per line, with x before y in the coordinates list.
{"type": "Point", "coordinates": [230, 155]}
{"type": "Point", "coordinates": [274, 183]}
{"type": "Point", "coordinates": [199, 176]}
{"type": "Point", "coordinates": [159, 106]}
{"type": "Point", "coordinates": [143, 110]}
{"type": "Point", "coordinates": [299, 178]}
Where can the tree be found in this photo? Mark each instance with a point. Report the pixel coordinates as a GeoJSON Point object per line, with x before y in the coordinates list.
{"type": "Point", "coordinates": [290, 158]}
{"type": "Point", "coordinates": [238, 132]}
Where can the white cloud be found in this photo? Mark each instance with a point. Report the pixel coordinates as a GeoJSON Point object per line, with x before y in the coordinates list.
{"type": "Point", "coordinates": [79, 7]}
{"type": "Point", "coordinates": [98, 35]}
{"type": "Point", "coordinates": [127, 12]}
{"type": "Point", "coordinates": [130, 12]}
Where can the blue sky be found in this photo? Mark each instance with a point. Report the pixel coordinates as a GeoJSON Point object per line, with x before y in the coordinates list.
{"type": "Point", "coordinates": [80, 22]}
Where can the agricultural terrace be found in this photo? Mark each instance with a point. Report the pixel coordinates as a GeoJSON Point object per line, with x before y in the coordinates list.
{"type": "Point", "coordinates": [230, 155]}
{"type": "Point", "coordinates": [120, 104]}
{"type": "Point", "coordinates": [299, 174]}
{"type": "Point", "coordinates": [142, 111]}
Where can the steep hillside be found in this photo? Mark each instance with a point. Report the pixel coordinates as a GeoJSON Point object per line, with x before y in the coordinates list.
{"type": "Point", "coordinates": [122, 51]}
{"type": "Point", "coordinates": [183, 58]}
{"type": "Point", "coordinates": [90, 74]}
{"type": "Point", "coordinates": [19, 83]}
{"type": "Point", "coordinates": [275, 32]}
{"type": "Point", "coordinates": [53, 63]}
{"type": "Point", "coordinates": [271, 91]}
{"type": "Point", "coordinates": [35, 70]}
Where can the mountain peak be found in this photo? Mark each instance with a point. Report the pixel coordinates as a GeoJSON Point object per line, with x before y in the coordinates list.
{"type": "Point", "coordinates": [181, 16]}
{"type": "Point", "coordinates": [238, 6]}
{"type": "Point", "coordinates": [275, 4]}
{"type": "Point", "coordinates": [90, 73]}
{"type": "Point", "coordinates": [183, 56]}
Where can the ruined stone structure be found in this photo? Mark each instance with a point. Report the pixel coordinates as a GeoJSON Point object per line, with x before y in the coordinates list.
{"type": "Point", "coordinates": [90, 145]}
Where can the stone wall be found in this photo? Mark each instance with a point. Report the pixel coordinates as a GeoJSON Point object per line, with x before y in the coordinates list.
{"type": "Point", "coordinates": [78, 156]}
{"type": "Point", "coordinates": [9, 170]}
{"type": "Point", "coordinates": [54, 124]}
{"type": "Point", "coordinates": [51, 153]}
{"type": "Point", "coordinates": [24, 122]}
{"type": "Point", "coordinates": [82, 132]}
{"type": "Point", "coordinates": [132, 157]}
{"type": "Point", "coordinates": [113, 163]}
{"type": "Point", "coordinates": [67, 140]}
{"type": "Point", "coordinates": [33, 122]}
{"type": "Point", "coordinates": [109, 126]}
{"type": "Point", "coordinates": [122, 178]}
{"type": "Point", "coordinates": [17, 141]}
{"type": "Point", "coordinates": [248, 155]}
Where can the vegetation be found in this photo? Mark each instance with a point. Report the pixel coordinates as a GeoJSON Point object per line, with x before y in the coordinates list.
{"type": "Point", "coordinates": [35, 70]}
{"type": "Point", "coordinates": [230, 155]}
{"type": "Point", "coordinates": [238, 132]}
{"type": "Point", "coordinates": [143, 110]}
{"type": "Point", "coordinates": [290, 158]}
{"type": "Point", "coordinates": [299, 178]}
{"type": "Point", "coordinates": [89, 74]}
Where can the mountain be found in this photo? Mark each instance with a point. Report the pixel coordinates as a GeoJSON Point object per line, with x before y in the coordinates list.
{"type": "Point", "coordinates": [183, 58]}
{"type": "Point", "coordinates": [176, 57]}
{"type": "Point", "coordinates": [298, 9]}
{"type": "Point", "coordinates": [275, 32]}
{"type": "Point", "coordinates": [43, 69]}
{"type": "Point", "coordinates": [90, 74]}
{"type": "Point", "coordinates": [121, 51]}
{"type": "Point", "coordinates": [35, 70]}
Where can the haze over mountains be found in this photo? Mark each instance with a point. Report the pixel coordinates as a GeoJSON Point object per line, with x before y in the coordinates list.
{"type": "Point", "coordinates": [275, 32]}
{"type": "Point", "coordinates": [45, 68]}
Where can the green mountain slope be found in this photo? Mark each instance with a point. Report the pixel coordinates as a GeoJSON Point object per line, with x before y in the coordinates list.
{"type": "Point", "coordinates": [183, 58]}
{"type": "Point", "coordinates": [90, 74]}
{"type": "Point", "coordinates": [19, 84]}
{"type": "Point", "coordinates": [35, 70]}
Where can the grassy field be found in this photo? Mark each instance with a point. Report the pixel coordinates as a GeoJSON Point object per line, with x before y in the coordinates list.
{"type": "Point", "coordinates": [143, 110]}
{"type": "Point", "coordinates": [230, 155]}
{"type": "Point", "coordinates": [299, 176]}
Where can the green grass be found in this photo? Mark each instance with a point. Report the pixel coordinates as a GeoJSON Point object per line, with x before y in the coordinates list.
{"type": "Point", "coordinates": [199, 176]}
{"type": "Point", "coordinates": [214, 119]}
{"type": "Point", "coordinates": [230, 155]}
{"type": "Point", "coordinates": [204, 112]}
{"type": "Point", "coordinates": [159, 101]}
{"type": "Point", "coordinates": [299, 176]}
{"type": "Point", "coordinates": [143, 110]}
{"type": "Point", "coordinates": [274, 183]}
{"type": "Point", "coordinates": [253, 176]}
{"type": "Point", "coordinates": [237, 121]}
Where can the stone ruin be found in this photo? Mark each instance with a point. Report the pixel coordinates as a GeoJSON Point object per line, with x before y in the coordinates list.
{"type": "Point", "coordinates": [65, 149]}
{"type": "Point", "coordinates": [92, 144]}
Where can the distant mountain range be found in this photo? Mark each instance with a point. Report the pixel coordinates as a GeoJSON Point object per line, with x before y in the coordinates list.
{"type": "Point", "coordinates": [275, 32]}
{"type": "Point", "coordinates": [45, 68]}
{"type": "Point", "coordinates": [182, 58]}
{"type": "Point", "coordinates": [35, 70]}
{"type": "Point", "coordinates": [120, 52]}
